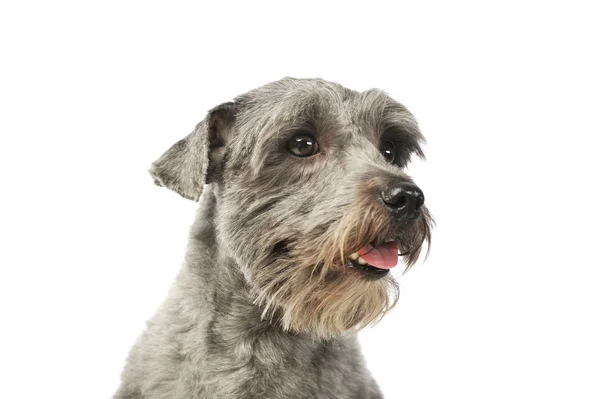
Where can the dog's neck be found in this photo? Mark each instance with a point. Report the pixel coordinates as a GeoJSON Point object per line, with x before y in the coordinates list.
{"type": "Point", "coordinates": [219, 288]}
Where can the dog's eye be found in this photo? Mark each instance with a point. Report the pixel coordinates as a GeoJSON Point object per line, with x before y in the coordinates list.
{"type": "Point", "coordinates": [388, 149]}
{"type": "Point", "coordinates": [303, 145]}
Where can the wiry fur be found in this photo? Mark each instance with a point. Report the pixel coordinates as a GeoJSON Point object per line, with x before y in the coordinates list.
{"type": "Point", "coordinates": [266, 305]}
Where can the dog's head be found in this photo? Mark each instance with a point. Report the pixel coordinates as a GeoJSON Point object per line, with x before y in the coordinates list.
{"type": "Point", "coordinates": [313, 201]}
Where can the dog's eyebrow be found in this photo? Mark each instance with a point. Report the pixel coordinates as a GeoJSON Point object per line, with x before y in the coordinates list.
{"type": "Point", "coordinates": [380, 112]}
{"type": "Point", "coordinates": [395, 115]}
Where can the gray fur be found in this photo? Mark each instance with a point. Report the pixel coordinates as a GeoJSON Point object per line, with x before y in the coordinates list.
{"type": "Point", "coordinates": [264, 306]}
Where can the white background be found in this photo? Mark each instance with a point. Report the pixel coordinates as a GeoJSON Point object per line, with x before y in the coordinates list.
{"type": "Point", "coordinates": [507, 305]}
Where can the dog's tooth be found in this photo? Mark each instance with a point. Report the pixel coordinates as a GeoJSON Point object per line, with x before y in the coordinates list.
{"type": "Point", "coordinates": [361, 261]}
{"type": "Point", "coordinates": [354, 256]}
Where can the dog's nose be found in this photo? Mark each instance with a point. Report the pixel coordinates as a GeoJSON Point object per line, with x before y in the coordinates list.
{"type": "Point", "coordinates": [403, 199]}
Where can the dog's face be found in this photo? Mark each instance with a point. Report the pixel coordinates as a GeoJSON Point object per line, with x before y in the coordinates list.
{"type": "Point", "coordinates": [314, 204]}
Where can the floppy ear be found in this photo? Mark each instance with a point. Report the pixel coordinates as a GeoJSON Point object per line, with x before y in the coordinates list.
{"type": "Point", "coordinates": [184, 167]}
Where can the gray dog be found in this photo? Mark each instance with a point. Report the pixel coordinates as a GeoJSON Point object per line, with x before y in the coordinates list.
{"type": "Point", "coordinates": [304, 209]}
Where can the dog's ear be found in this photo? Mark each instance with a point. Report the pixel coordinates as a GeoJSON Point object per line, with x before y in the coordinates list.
{"type": "Point", "coordinates": [186, 166]}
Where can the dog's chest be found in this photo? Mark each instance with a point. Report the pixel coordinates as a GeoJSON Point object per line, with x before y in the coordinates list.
{"type": "Point", "coordinates": [274, 366]}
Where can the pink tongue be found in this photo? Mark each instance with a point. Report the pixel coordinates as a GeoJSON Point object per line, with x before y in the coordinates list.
{"type": "Point", "coordinates": [384, 256]}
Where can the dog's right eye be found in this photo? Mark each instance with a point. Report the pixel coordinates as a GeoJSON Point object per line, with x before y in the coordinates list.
{"type": "Point", "coordinates": [303, 145]}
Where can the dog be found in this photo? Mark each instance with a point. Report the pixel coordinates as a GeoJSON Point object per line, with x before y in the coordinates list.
{"type": "Point", "coordinates": [304, 207]}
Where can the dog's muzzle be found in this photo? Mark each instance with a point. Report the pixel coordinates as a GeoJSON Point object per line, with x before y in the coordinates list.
{"type": "Point", "coordinates": [404, 202]}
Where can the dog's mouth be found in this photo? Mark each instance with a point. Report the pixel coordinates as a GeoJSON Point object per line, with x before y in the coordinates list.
{"type": "Point", "coordinates": [375, 260]}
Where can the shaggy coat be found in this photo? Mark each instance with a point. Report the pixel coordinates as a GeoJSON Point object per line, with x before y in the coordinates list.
{"type": "Point", "coordinates": [267, 303]}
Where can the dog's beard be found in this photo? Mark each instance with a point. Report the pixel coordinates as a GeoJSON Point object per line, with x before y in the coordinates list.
{"type": "Point", "coordinates": [304, 285]}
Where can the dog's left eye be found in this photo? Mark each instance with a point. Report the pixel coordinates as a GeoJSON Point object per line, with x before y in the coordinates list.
{"type": "Point", "coordinates": [388, 149]}
{"type": "Point", "coordinates": [303, 145]}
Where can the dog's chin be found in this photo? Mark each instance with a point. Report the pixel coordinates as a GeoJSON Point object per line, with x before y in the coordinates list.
{"type": "Point", "coordinates": [339, 282]}
{"type": "Point", "coordinates": [326, 303]}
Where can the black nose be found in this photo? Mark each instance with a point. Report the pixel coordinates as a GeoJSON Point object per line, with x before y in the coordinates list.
{"type": "Point", "coordinates": [403, 199]}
